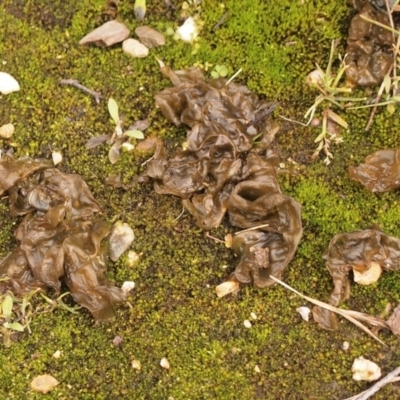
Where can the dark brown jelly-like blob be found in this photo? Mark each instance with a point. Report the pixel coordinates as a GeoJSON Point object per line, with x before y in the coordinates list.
{"type": "Point", "coordinates": [227, 167]}
{"type": "Point", "coordinates": [380, 171]}
{"type": "Point", "coordinates": [59, 237]}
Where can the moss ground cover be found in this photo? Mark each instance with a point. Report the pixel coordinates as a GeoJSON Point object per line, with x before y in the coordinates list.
{"type": "Point", "coordinates": [175, 312]}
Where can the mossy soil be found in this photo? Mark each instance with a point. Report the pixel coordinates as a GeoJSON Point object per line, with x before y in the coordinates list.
{"type": "Point", "coordinates": [175, 312]}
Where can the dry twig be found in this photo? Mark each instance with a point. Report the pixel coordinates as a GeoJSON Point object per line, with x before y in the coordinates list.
{"type": "Point", "coordinates": [73, 82]}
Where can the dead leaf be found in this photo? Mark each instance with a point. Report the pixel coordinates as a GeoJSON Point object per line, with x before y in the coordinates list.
{"type": "Point", "coordinates": [113, 153]}
{"type": "Point", "coordinates": [107, 34]}
{"type": "Point", "coordinates": [97, 140]}
{"type": "Point", "coordinates": [394, 321]}
{"type": "Point", "coordinates": [380, 171]}
{"type": "Point", "coordinates": [140, 125]}
{"type": "Point", "coordinates": [150, 37]}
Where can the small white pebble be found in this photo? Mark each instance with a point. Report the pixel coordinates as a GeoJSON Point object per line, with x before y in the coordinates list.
{"type": "Point", "coordinates": [127, 286]}
{"type": "Point", "coordinates": [253, 315]}
{"type": "Point", "coordinates": [8, 84]}
{"type": "Point", "coordinates": [7, 130]}
{"type": "Point", "coordinates": [247, 323]}
{"type": "Point", "coordinates": [164, 363]}
{"type": "Point", "coordinates": [345, 346]}
{"type": "Point", "coordinates": [57, 354]}
{"type": "Point", "coordinates": [304, 312]}
{"type": "Point", "coordinates": [136, 364]}
{"type": "Point", "coordinates": [365, 370]}
{"type": "Point", "coordinates": [257, 369]}
{"type": "Point", "coordinates": [127, 146]}
{"type": "Point", "coordinates": [132, 258]}
{"type": "Point", "coordinates": [57, 157]}
{"type": "Point", "coordinates": [188, 31]}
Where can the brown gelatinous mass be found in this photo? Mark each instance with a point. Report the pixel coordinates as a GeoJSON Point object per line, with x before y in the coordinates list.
{"type": "Point", "coordinates": [369, 46]}
{"type": "Point", "coordinates": [357, 251]}
{"type": "Point", "coordinates": [227, 167]}
{"type": "Point", "coordinates": [59, 238]}
{"type": "Point", "coordinates": [381, 171]}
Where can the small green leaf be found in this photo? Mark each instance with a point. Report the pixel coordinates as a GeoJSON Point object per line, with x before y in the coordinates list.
{"type": "Point", "coordinates": [214, 74]}
{"type": "Point", "coordinates": [134, 133]}
{"type": "Point", "coordinates": [15, 326]}
{"type": "Point", "coordinates": [391, 108]}
{"type": "Point", "coordinates": [222, 70]}
{"type": "Point", "coordinates": [139, 9]}
{"type": "Point", "coordinates": [170, 31]}
{"type": "Point", "coordinates": [7, 306]}
{"type": "Point", "coordinates": [336, 118]}
{"type": "Point", "coordinates": [320, 137]}
{"type": "Point", "coordinates": [387, 82]}
{"type": "Point", "coordinates": [113, 110]}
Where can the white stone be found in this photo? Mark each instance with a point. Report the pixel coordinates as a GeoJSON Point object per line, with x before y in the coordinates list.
{"type": "Point", "coordinates": [8, 84]}
{"type": "Point", "coordinates": [6, 131]}
{"type": "Point", "coordinates": [189, 31]}
{"type": "Point", "coordinates": [57, 157]}
{"type": "Point", "coordinates": [365, 370]}
{"type": "Point", "coordinates": [43, 383]}
{"type": "Point", "coordinates": [136, 364]}
{"type": "Point", "coordinates": [164, 363]}
{"type": "Point", "coordinates": [304, 312]}
{"type": "Point", "coordinates": [134, 48]}
{"type": "Point", "coordinates": [247, 323]}
{"type": "Point", "coordinates": [132, 258]}
{"type": "Point", "coordinates": [370, 276]}
{"type": "Point", "coordinates": [57, 354]}
{"type": "Point", "coordinates": [127, 286]}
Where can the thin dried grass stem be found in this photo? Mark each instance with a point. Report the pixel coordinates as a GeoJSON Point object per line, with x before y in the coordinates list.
{"type": "Point", "coordinates": [389, 378]}
{"type": "Point", "coordinates": [344, 313]}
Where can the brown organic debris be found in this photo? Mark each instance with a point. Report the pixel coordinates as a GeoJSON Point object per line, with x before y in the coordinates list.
{"type": "Point", "coordinates": [107, 34]}
{"type": "Point", "coordinates": [380, 172]}
{"type": "Point", "coordinates": [222, 170]}
{"type": "Point", "coordinates": [394, 321]}
{"type": "Point", "coordinates": [369, 46]}
{"type": "Point", "coordinates": [59, 236]}
{"type": "Point", "coordinates": [150, 37]}
{"type": "Point", "coordinates": [357, 251]}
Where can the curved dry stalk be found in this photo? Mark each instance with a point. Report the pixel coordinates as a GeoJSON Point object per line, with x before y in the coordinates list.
{"type": "Point", "coordinates": [351, 316]}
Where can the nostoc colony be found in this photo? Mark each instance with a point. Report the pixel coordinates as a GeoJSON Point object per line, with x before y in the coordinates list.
{"type": "Point", "coordinates": [228, 167]}
{"type": "Point", "coordinates": [59, 236]}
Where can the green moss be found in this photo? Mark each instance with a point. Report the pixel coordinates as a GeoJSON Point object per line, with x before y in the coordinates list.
{"type": "Point", "coordinates": [175, 312]}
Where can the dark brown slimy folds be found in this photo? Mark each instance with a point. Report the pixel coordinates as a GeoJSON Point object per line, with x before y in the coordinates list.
{"type": "Point", "coordinates": [365, 253]}
{"type": "Point", "coordinates": [227, 168]}
{"type": "Point", "coordinates": [59, 238]}
{"type": "Point", "coordinates": [369, 47]}
{"type": "Point", "coordinates": [381, 171]}
{"type": "Point", "coordinates": [358, 251]}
